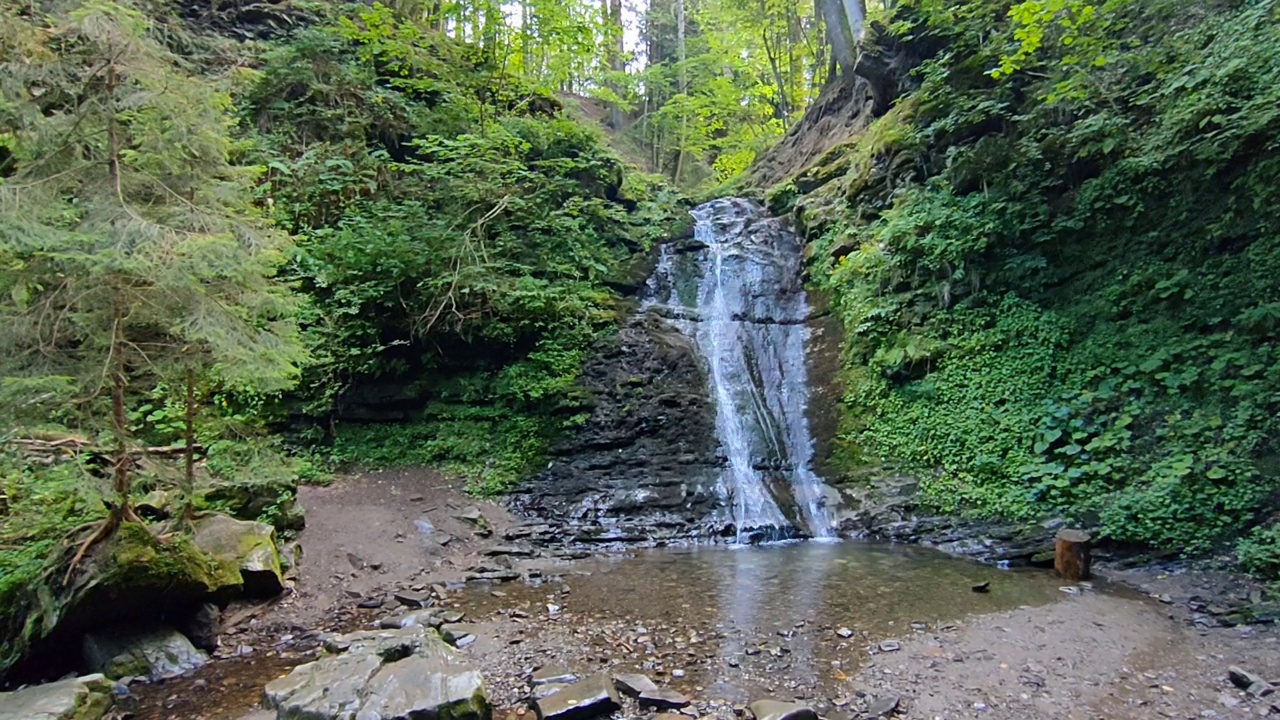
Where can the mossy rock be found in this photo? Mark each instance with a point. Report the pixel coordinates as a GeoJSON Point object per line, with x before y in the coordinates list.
{"type": "Point", "coordinates": [83, 698]}
{"type": "Point", "coordinates": [245, 548]}
{"type": "Point", "coordinates": [271, 500]}
{"type": "Point", "coordinates": [136, 559]}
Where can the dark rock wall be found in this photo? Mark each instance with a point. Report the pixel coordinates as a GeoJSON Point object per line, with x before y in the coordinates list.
{"type": "Point", "coordinates": [648, 451]}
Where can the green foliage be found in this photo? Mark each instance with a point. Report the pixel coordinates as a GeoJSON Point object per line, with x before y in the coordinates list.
{"type": "Point", "coordinates": [38, 508]}
{"type": "Point", "coordinates": [1059, 287]}
{"type": "Point", "coordinates": [455, 238]}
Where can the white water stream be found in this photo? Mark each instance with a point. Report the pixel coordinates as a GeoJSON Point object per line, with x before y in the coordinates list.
{"type": "Point", "coordinates": [739, 295]}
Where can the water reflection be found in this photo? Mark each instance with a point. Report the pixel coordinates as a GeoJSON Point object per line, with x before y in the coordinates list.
{"type": "Point", "coordinates": [733, 612]}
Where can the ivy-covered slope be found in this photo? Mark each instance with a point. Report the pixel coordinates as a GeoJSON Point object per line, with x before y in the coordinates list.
{"type": "Point", "coordinates": [1057, 262]}
{"type": "Point", "coordinates": [458, 237]}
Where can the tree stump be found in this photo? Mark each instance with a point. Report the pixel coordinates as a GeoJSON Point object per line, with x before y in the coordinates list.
{"type": "Point", "coordinates": [1072, 555]}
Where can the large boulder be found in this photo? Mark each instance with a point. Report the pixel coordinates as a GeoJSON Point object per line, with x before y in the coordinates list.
{"type": "Point", "coordinates": [84, 698]}
{"type": "Point", "coordinates": [244, 547]}
{"type": "Point", "coordinates": [158, 653]}
{"type": "Point", "coordinates": [395, 674]}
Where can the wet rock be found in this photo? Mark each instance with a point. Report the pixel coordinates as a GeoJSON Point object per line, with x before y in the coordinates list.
{"type": "Point", "coordinates": [246, 547]}
{"type": "Point", "coordinates": [593, 697]}
{"type": "Point", "coordinates": [646, 452]}
{"type": "Point", "coordinates": [634, 684]}
{"type": "Point", "coordinates": [552, 674]}
{"type": "Point", "coordinates": [778, 710]}
{"type": "Point", "coordinates": [390, 675]}
{"type": "Point", "coordinates": [157, 653]}
{"type": "Point", "coordinates": [982, 587]}
{"type": "Point", "coordinates": [370, 604]}
{"type": "Point", "coordinates": [663, 699]}
{"type": "Point", "coordinates": [884, 707]}
{"type": "Point", "coordinates": [83, 698]}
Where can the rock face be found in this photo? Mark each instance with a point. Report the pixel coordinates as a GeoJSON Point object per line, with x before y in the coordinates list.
{"type": "Point", "coordinates": [84, 698]}
{"type": "Point", "coordinates": [648, 450]}
{"type": "Point", "coordinates": [246, 547]}
{"type": "Point", "coordinates": [382, 675]}
{"type": "Point", "coordinates": [158, 653]}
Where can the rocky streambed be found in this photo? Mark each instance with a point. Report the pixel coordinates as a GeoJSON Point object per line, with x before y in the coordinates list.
{"type": "Point", "coordinates": [410, 598]}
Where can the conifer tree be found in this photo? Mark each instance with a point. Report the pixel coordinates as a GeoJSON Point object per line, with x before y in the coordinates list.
{"type": "Point", "coordinates": [130, 253]}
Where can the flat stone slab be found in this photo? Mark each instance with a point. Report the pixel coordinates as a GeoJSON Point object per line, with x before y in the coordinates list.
{"type": "Point", "coordinates": [83, 698]}
{"type": "Point", "coordinates": [778, 710]}
{"type": "Point", "coordinates": [512, 550]}
{"type": "Point", "coordinates": [663, 699]}
{"type": "Point", "coordinates": [382, 675]}
{"type": "Point", "coordinates": [591, 698]}
{"type": "Point", "coordinates": [634, 684]}
{"type": "Point", "coordinates": [552, 674]}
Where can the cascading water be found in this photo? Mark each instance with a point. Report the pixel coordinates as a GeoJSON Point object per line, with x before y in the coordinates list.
{"type": "Point", "coordinates": [737, 292]}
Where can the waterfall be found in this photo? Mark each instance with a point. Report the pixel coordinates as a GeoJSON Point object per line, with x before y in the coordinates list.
{"type": "Point", "coordinates": [737, 292]}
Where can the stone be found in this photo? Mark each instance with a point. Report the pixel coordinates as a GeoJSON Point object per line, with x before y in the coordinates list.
{"type": "Point", "coordinates": [890, 646]}
{"type": "Point", "coordinates": [246, 547]}
{"type": "Point", "coordinates": [1244, 679]}
{"type": "Point", "coordinates": [778, 710]}
{"type": "Point", "coordinates": [82, 698]}
{"type": "Point", "coordinates": [494, 574]}
{"type": "Point", "coordinates": [542, 691]}
{"type": "Point", "coordinates": [426, 619]}
{"type": "Point", "coordinates": [382, 675]}
{"type": "Point", "coordinates": [413, 598]}
{"type": "Point", "coordinates": [663, 699]}
{"type": "Point", "coordinates": [844, 632]}
{"type": "Point", "coordinates": [884, 707]}
{"type": "Point", "coordinates": [552, 674]}
{"type": "Point", "coordinates": [458, 634]}
{"type": "Point", "coordinates": [634, 684]}
{"type": "Point", "coordinates": [204, 626]}
{"type": "Point", "coordinates": [511, 550]}
{"type": "Point", "coordinates": [157, 653]}
{"type": "Point", "coordinates": [593, 697]}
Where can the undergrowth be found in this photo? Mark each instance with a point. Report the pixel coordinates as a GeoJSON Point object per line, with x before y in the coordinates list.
{"type": "Point", "coordinates": [1059, 288]}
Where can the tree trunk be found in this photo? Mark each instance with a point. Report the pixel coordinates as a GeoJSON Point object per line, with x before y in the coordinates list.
{"type": "Point", "coordinates": [189, 436]}
{"type": "Point", "coordinates": [1072, 555]}
{"type": "Point", "coordinates": [844, 48]}
{"type": "Point", "coordinates": [681, 51]}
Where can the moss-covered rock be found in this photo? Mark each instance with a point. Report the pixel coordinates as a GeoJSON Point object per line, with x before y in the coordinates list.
{"type": "Point", "coordinates": [245, 548]}
{"type": "Point", "coordinates": [83, 698]}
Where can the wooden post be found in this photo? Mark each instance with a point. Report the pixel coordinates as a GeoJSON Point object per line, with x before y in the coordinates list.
{"type": "Point", "coordinates": [1072, 555]}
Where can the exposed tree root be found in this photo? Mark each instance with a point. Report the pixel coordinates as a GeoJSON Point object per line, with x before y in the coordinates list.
{"type": "Point", "coordinates": [105, 528]}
